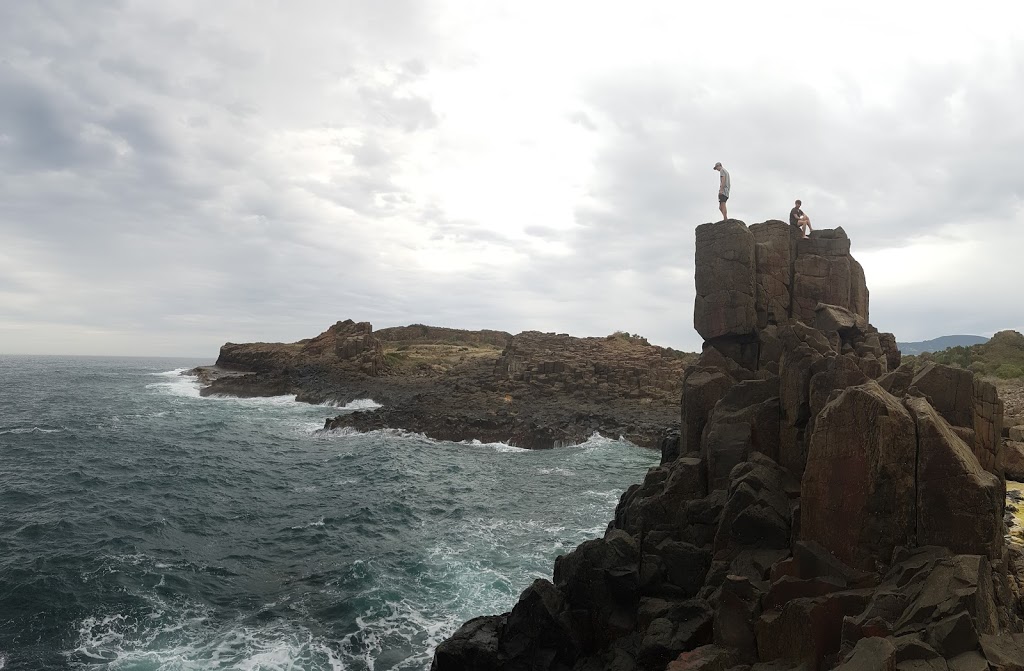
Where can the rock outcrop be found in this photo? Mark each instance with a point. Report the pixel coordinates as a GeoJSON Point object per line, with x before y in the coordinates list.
{"type": "Point", "coordinates": [536, 390]}
{"type": "Point", "coordinates": [821, 507]}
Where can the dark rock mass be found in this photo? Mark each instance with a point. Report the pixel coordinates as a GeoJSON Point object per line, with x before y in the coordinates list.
{"type": "Point", "coordinates": [535, 390]}
{"type": "Point", "coordinates": [817, 505]}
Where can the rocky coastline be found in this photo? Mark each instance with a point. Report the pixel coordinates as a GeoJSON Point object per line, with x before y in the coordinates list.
{"type": "Point", "coordinates": [821, 506]}
{"type": "Point", "coordinates": [534, 390]}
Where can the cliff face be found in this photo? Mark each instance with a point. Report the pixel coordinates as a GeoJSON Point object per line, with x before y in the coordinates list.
{"type": "Point", "coordinates": [820, 507]}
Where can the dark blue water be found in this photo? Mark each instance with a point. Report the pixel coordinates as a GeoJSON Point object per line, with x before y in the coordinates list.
{"type": "Point", "coordinates": [144, 527]}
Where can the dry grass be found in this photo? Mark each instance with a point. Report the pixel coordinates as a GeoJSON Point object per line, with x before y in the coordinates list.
{"type": "Point", "coordinates": [438, 358]}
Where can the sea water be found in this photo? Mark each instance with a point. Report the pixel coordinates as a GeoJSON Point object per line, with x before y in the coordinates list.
{"type": "Point", "coordinates": [145, 527]}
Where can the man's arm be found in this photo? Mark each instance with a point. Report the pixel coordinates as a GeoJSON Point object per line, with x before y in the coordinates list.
{"type": "Point", "coordinates": [721, 184]}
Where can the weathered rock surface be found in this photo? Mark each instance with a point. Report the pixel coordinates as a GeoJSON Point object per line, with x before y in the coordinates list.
{"type": "Point", "coordinates": [819, 508]}
{"type": "Point", "coordinates": [726, 273]}
{"type": "Point", "coordinates": [857, 496]}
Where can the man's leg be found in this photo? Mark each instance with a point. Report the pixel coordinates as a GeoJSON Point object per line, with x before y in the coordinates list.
{"type": "Point", "coordinates": [721, 207]}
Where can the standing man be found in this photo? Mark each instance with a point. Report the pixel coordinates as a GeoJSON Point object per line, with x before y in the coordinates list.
{"type": "Point", "coordinates": [723, 189]}
{"type": "Point", "coordinates": [799, 219]}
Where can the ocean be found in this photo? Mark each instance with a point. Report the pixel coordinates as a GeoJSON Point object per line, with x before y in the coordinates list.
{"type": "Point", "coordinates": [145, 527]}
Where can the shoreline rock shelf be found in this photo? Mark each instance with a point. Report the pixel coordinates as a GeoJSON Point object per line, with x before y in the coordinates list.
{"type": "Point", "coordinates": [535, 390]}
{"type": "Point", "coordinates": [820, 506]}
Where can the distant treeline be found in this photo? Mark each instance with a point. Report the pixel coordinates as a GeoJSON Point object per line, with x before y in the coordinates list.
{"type": "Point", "coordinates": [1002, 356]}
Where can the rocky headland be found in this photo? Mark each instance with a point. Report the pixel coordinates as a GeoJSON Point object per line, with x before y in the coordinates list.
{"type": "Point", "coordinates": [535, 390]}
{"type": "Point", "coordinates": [820, 505]}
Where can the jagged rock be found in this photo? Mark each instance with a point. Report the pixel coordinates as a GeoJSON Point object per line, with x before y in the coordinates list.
{"type": "Point", "coordinates": [1015, 433]}
{"type": "Point", "coordinates": [745, 420]}
{"type": "Point", "coordinates": [808, 630]}
{"type": "Point", "coordinates": [829, 318]}
{"type": "Point", "coordinates": [1005, 652]}
{"type": "Point", "coordinates": [795, 371]}
{"type": "Point", "coordinates": [1011, 460]}
{"type": "Point", "coordinates": [473, 646]}
{"type": "Point", "coordinates": [775, 250]}
{"type": "Point", "coordinates": [950, 390]}
{"type": "Point", "coordinates": [737, 609]}
{"type": "Point", "coordinates": [959, 504]}
{"type": "Point", "coordinates": [665, 638]}
{"type": "Point", "coordinates": [706, 658]}
{"type": "Point", "coordinates": [539, 632]}
{"type": "Point", "coordinates": [870, 654]}
{"type": "Point", "coordinates": [811, 560]}
{"type": "Point", "coordinates": [988, 424]}
{"type": "Point", "coordinates": [969, 661]}
{"type": "Point", "coordinates": [898, 380]}
{"type": "Point", "coordinates": [601, 579]}
{"type": "Point", "coordinates": [725, 279]}
{"type": "Point", "coordinates": [829, 375]}
{"type": "Point", "coordinates": [824, 272]}
{"type": "Point", "coordinates": [913, 654]}
{"type": "Point", "coordinates": [930, 593]}
{"type": "Point", "coordinates": [661, 499]}
{"type": "Point", "coordinates": [770, 348]}
{"type": "Point", "coordinates": [670, 445]}
{"type": "Point", "coordinates": [757, 513]}
{"type": "Point", "coordinates": [702, 389]}
{"type": "Point", "coordinates": [890, 350]}
{"type": "Point", "coordinates": [787, 588]}
{"type": "Point", "coordinates": [857, 496]}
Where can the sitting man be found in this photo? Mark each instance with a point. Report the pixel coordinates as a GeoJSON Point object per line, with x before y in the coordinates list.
{"type": "Point", "coordinates": [799, 219]}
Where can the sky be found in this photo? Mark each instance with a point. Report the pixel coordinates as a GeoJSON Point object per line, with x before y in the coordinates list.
{"type": "Point", "coordinates": [181, 174]}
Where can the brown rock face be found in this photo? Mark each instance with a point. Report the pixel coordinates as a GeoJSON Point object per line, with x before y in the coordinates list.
{"type": "Point", "coordinates": [725, 280]}
{"type": "Point", "coordinates": [857, 497]}
{"type": "Point", "coordinates": [775, 249]}
{"type": "Point", "coordinates": [824, 272]}
{"type": "Point", "coordinates": [959, 503]}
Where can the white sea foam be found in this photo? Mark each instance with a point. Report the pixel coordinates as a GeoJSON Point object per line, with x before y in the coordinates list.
{"type": "Point", "coordinates": [171, 373]}
{"type": "Point", "coordinates": [565, 472]}
{"type": "Point", "coordinates": [356, 405]}
{"type": "Point", "coordinates": [30, 429]}
{"type": "Point", "coordinates": [177, 384]}
{"type": "Point", "coordinates": [189, 640]}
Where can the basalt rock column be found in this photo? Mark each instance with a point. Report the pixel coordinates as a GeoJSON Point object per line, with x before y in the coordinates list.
{"type": "Point", "coordinates": [725, 280]}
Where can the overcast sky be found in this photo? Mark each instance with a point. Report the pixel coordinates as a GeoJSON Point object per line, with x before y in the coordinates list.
{"type": "Point", "coordinates": [180, 174]}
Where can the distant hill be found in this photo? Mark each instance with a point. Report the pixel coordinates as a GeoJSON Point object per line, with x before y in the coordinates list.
{"type": "Point", "coordinates": [1001, 356]}
{"type": "Point", "coordinates": [940, 343]}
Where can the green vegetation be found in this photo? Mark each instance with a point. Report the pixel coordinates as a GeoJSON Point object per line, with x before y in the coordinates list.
{"type": "Point", "coordinates": [1001, 357]}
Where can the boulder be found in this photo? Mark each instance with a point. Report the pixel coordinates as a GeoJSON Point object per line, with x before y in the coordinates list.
{"type": "Point", "coordinates": [870, 654]}
{"type": "Point", "coordinates": [473, 646]}
{"type": "Point", "coordinates": [835, 318]}
{"type": "Point", "coordinates": [725, 280]}
{"type": "Point", "coordinates": [601, 580]}
{"type": "Point", "coordinates": [661, 498]}
{"type": "Point", "coordinates": [539, 632]}
{"type": "Point", "coordinates": [1005, 652]}
{"type": "Point", "coordinates": [745, 420]}
{"type": "Point", "coordinates": [959, 504]}
{"type": "Point", "coordinates": [857, 495]}
{"type": "Point", "coordinates": [950, 390]}
{"type": "Point", "coordinates": [757, 513]}
{"type": "Point", "coordinates": [808, 630]}
{"type": "Point", "coordinates": [1011, 460]}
